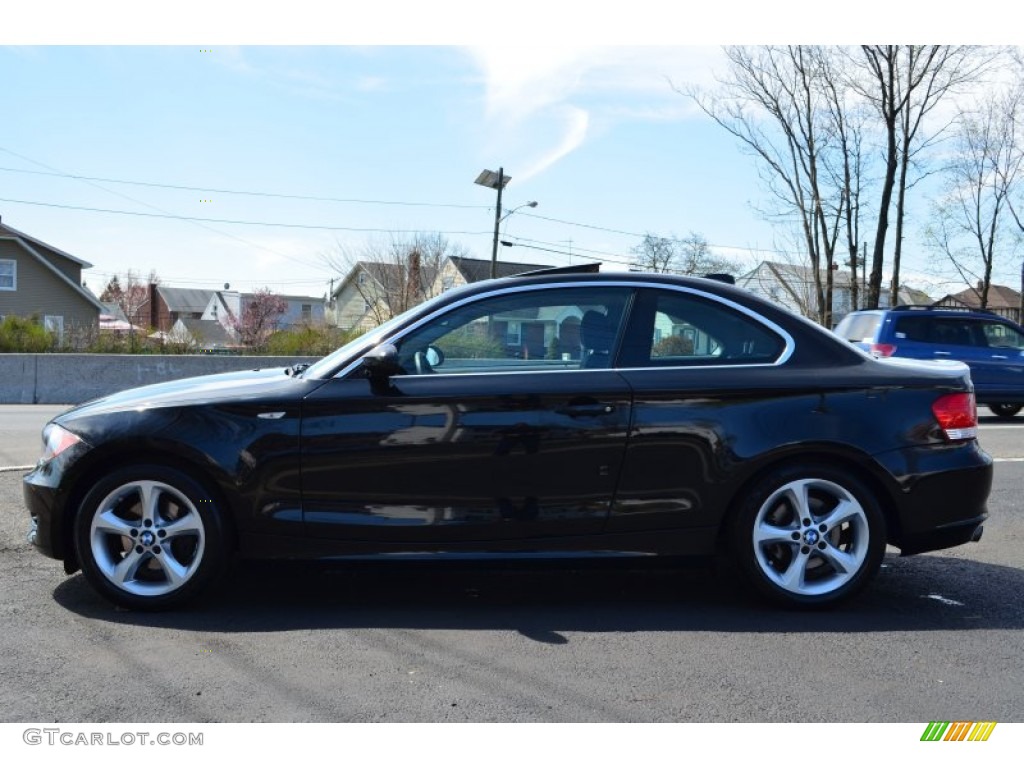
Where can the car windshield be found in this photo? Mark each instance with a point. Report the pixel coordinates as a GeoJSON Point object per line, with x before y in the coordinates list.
{"type": "Point", "coordinates": [325, 367]}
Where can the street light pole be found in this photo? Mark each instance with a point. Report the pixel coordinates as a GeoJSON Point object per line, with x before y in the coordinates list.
{"type": "Point", "coordinates": [496, 181]}
{"type": "Point", "coordinates": [497, 222]}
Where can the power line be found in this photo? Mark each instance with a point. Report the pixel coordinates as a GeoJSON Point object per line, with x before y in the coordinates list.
{"type": "Point", "coordinates": [155, 208]}
{"type": "Point", "coordinates": [287, 225]}
{"type": "Point", "coordinates": [645, 234]}
{"type": "Point", "coordinates": [250, 193]}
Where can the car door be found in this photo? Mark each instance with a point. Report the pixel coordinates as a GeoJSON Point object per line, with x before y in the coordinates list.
{"type": "Point", "coordinates": [696, 366]}
{"type": "Point", "coordinates": [479, 437]}
{"type": "Point", "coordinates": [998, 369]}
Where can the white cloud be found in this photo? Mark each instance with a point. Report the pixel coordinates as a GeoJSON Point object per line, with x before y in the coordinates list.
{"type": "Point", "coordinates": [576, 122]}
{"type": "Point", "coordinates": [554, 94]}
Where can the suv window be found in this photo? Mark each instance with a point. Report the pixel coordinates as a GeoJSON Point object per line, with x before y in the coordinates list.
{"type": "Point", "coordinates": [1002, 336]}
{"type": "Point", "coordinates": [859, 327]}
{"type": "Point", "coordinates": [913, 328]}
{"type": "Point", "coordinates": [671, 328]}
{"type": "Point", "coordinates": [955, 331]}
{"type": "Point", "coordinates": [533, 330]}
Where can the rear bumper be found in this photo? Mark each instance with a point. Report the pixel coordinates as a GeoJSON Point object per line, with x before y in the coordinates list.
{"type": "Point", "coordinates": [942, 495]}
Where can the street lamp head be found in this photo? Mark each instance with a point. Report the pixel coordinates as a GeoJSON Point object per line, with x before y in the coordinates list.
{"type": "Point", "coordinates": [532, 204]}
{"type": "Point", "coordinates": [492, 179]}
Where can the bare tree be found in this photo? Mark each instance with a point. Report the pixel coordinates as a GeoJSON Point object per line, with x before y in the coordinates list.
{"type": "Point", "coordinates": [654, 254]}
{"type": "Point", "coordinates": [970, 223]}
{"type": "Point", "coordinates": [904, 83]}
{"type": "Point", "coordinates": [690, 255]}
{"type": "Point", "coordinates": [774, 102]}
{"type": "Point", "coordinates": [258, 318]}
{"type": "Point", "coordinates": [849, 166]}
{"type": "Point", "coordinates": [395, 273]}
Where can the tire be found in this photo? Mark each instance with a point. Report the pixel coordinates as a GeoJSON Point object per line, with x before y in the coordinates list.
{"type": "Point", "coordinates": [1005, 410]}
{"type": "Point", "coordinates": [819, 557]}
{"type": "Point", "coordinates": [149, 537]}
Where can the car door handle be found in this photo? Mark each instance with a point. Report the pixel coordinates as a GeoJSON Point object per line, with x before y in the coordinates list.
{"type": "Point", "coordinates": [589, 409]}
{"type": "Point", "coordinates": [938, 352]}
{"type": "Point", "coordinates": [999, 357]}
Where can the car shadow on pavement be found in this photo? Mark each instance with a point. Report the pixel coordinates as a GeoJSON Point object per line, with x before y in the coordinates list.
{"type": "Point", "coordinates": [912, 594]}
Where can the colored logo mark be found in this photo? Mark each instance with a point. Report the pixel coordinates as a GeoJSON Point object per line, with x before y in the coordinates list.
{"type": "Point", "coordinates": [958, 731]}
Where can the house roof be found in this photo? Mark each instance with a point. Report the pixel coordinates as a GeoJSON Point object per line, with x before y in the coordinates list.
{"type": "Point", "coordinates": [185, 299]}
{"type": "Point", "coordinates": [207, 333]}
{"type": "Point", "coordinates": [475, 270]}
{"type": "Point", "coordinates": [999, 297]}
{"type": "Point", "coordinates": [29, 245]}
{"type": "Point", "coordinates": [6, 229]}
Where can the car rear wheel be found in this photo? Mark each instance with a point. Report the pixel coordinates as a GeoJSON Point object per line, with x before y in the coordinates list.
{"type": "Point", "coordinates": [809, 536]}
{"type": "Point", "coordinates": [149, 537]}
{"type": "Point", "coordinates": [1005, 410]}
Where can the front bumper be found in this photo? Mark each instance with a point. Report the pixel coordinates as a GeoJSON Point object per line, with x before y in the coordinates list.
{"type": "Point", "coordinates": [46, 516]}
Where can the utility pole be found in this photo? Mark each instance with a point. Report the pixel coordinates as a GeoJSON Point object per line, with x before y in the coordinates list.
{"type": "Point", "coordinates": [497, 223]}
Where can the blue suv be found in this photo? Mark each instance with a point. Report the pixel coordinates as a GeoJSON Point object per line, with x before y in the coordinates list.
{"type": "Point", "coordinates": [991, 345]}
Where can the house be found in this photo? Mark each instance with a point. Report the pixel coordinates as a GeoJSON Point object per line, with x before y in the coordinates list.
{"type": "Point", "coordinates": [373, 292]}
{"type": "Point", "coordinates": [167, 305]}
{"type": "Point", "coordinates": [792, 286]}
{"type": "Point", "coordinates": [459, 270]}
{"type": "Point", "coordinates": [113, 319]}
{"type": "Point", "coordinates": [203, 335]}
{"type": "Point", "coordinates": [1002, 300]}
{"type": "Point", "coordinates": [37, 279]}
{"type": "Point", "coordinates": [225, 307]}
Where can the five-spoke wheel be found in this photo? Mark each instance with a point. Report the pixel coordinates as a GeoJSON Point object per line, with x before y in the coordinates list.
{"type": "Point", "coordinates": [148, 537]}
{"type": "Point", "coordinates": [810, 536]}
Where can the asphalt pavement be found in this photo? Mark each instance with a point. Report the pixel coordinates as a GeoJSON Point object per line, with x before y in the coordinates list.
{"type": "Point", "coordinates": [935, 637]}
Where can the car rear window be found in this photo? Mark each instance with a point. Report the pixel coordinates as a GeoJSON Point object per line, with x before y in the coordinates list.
{"type": "Point", "coordinates": [859, 327]}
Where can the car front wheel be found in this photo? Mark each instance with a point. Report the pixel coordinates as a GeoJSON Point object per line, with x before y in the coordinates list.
{"type": "Point", "coordinates": [809, 536]}
{"type": "Point", "coordinates": [149, 537]}
{"type": "Point", "coordinates": [1005, 410]}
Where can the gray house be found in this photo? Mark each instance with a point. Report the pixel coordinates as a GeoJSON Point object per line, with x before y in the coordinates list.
{"type": "Point", "coordinates": [37, 279]}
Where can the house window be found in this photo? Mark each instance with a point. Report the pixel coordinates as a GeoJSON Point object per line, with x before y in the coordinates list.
{"type": "Point", "coordinates": [447, 283]}
{"type": "Point", "coordinates": [307, 312]}
{"type": "Point", "coordinates": [55, 325]}
{"type": "Point", "coordinates": [8, 275]}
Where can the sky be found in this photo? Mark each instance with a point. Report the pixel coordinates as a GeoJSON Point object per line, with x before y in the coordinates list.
{"type": "Point", "coordinates": [253, 153]}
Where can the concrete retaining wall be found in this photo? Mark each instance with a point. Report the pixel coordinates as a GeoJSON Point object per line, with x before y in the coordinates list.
{"type": "Point", "coordinates": [60, 378]}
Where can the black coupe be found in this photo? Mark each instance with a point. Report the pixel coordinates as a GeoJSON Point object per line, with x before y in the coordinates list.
{"type": "Point", "coordinates": [564, 414]}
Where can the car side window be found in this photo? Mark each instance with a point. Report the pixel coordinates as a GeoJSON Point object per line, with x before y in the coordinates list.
{"type": "Point", "coordinates": [528, 330]}
{"type": "Point", "coordinates": [672, 328]}
{"type": "Point", "coordinates": [955, 331]}
{"type": "Point", "coordinates": [1003, 336]}
{"type": "Point", "coordinates": [912, 327]}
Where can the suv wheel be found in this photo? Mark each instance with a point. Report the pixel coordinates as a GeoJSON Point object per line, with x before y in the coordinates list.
{"type": "Point", "coordinates": [1005, 410]}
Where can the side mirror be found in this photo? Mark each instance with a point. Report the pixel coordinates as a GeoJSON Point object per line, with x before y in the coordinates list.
{"type": "Point", "coordinates": [381, 362]}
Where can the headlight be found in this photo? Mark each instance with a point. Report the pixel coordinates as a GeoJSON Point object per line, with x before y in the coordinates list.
{"type": "Point", "coordinates": [56, 440]}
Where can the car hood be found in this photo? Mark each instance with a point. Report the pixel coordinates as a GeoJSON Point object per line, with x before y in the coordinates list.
{"type": "Point", "coordinates": [236, 387]}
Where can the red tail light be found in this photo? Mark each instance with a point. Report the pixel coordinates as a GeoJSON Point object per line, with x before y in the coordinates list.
{"type": "Point", "coordinates": [957, 415]}
{"type": "Point", "coordinates": [883, 350]}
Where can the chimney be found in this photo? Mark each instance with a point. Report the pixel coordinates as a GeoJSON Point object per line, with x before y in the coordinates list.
{"type": "Point", "coordinates": [154, 309]}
